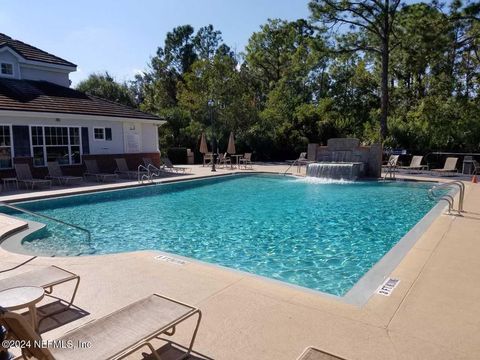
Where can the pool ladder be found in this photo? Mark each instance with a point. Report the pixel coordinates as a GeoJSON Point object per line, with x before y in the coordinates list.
{"type": "Point", "coordinates": [147, 173]}
{"type": "Point", "coordinates": [449, 198]}
{"type": "Point", "coordinates": [294, 163]}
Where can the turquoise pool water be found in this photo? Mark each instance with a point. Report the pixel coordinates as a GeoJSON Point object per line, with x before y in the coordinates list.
{"type": "Point", "coordinates": [321, 236]}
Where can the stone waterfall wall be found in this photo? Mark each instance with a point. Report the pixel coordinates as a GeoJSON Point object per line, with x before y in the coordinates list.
{"type": "Point", "coordinates": [341, 150]}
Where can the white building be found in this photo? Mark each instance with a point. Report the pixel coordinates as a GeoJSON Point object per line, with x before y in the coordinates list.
{"type": "Point", "coordinates": [42, 119]}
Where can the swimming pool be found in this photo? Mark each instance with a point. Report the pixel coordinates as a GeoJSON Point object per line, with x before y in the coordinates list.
{"type": "Point", "coordinates": [320, 236]}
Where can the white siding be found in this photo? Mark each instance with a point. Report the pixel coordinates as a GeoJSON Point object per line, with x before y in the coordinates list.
{"type": "Point", "coordinates": [22, 69]}
{"type": "Point", "coordinates": [150, 137]}
{"type": "Point", "coordinates": [6, 56]}
{"type": "Point", "coordinates": [148, 132]}
{"type": "Point", "coordinates": [34, 73]}
{"type": "Point", "coordinates": [115, 146]}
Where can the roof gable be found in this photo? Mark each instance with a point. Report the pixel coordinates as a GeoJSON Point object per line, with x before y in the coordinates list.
{"type": "Point", "coordinates": [32, 53]}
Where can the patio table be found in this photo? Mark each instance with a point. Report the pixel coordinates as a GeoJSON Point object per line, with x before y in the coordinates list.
{"type": "Point", "coordinates": [21, 297]}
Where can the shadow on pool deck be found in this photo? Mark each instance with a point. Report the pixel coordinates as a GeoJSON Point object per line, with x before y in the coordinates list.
{"type": "Point", "coordinates": [173, 351]}
{"type": "Point", "coordinates": [63, 315]}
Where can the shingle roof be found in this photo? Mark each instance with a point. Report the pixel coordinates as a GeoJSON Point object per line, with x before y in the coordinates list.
{"type": "Point", "coordinates": [32, 53]}
{"type": "Point", "coordinates": [43, 96]}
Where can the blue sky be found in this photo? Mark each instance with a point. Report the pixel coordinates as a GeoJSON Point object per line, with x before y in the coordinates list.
{"type": "Point", "coordinates": [121, 36]}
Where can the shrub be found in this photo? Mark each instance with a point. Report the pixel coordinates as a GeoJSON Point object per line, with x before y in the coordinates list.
{"type": "Point", "coordinates": [177, 155]}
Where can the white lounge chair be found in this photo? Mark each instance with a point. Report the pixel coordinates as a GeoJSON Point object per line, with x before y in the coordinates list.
{"type": "Point", "coordinates": [415, 164]}
{"type": "Point", "coordinates": [46, 277]}
{"type": "Point", "coordinates": [24, 176]}
{"type": "Point", "coordinates": [114, 336]}
{"type": "Point", "coordinates": [93, 171]}
{"type": "Point", "coordinates": [449, 168]}
{"type": "Point", "coordinates": [312, 353]}
{"type": "Point", "coordinates": [169, 166]}
{"type": "Point", "coordinates": [122, 169]}
{"type": "Point", "coordinates": [55, 173]}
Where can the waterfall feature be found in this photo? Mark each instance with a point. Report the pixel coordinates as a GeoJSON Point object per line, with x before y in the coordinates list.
{"type": "Point", "coordinates": [338, 171]}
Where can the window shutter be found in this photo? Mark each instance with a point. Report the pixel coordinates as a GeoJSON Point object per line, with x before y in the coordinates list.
{"type": "Point", "coordinates": [85, 141]}
{"type": "Point", "coordinates": [21, 140]}
{"type": "Point", "coordinates": [108, 134]}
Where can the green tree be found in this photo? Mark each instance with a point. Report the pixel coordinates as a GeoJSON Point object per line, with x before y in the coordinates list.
{"type": "Point", "coordinates": [219, 80]}
{"type": "Point", "coordinates": [281, 49]}
{"type": "Point", "coordinates": [158, 87]}
{"type": "Point", "coordinates": [283, 61]}
{"type": "Point", "coordinates": [372, 25]}
{"type": "Point", "coordinates": [207, 41]}
{"type": "Point", "coordinates": [105, 86]}
{"type": "Point", "coordinates": [424, 39]}
{"type": "Point", "coordinates": [435, 79]}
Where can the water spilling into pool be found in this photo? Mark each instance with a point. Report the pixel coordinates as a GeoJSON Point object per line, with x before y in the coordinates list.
{"type": "Point", "coordinates": [312, 234]}
{"type": "Point", "coordinates": [349, 171]}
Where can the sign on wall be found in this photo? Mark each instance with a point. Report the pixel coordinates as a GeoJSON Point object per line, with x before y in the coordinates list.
{"type": "Point", "coordinates": [133, 137]}
{"type": "Point", "coordinates": [133, 143]}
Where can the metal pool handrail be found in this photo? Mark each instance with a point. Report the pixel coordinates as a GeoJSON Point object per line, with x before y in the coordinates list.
{"type": "Point", "coordinates": [146, 176]}
{"type": "Point", "coordinates": [449, 198]}
{"type": "Point", "coordinates": [297, 162]}
{"type": "Point", "coordinates": [152, 171]}
{"type": "Point", "coordinates": [155, 173]}
{"type": "Point", "coordinates": [89, 235]}
{"type": "Point", "coordinates": [292, 164]}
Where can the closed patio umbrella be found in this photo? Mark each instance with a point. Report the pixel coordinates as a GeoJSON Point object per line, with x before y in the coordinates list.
{"type": "Point", "coordinates": [231, 144]}
{"type": "Point", "coordinates": [203, 144]}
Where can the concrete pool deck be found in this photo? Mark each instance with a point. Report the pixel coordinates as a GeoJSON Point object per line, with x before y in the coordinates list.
{"type": "Point", "coordinates": [433, 313]}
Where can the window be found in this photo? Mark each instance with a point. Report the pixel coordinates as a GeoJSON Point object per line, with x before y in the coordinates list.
{"type": "Point", "coordinates": [54, 143]}
{"type": "Point", "coordinates": [7, 69]}
{"type": "Point", "coordinates": [102, 134]}
{"type": "Point", "coordinates": [5, 147]}
{"type": "Point", "coordinates": [99, 133]}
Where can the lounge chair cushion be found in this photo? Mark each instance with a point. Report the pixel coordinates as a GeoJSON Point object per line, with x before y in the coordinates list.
{"type": "Point", "coordinates": [42, 277]}
{"type": "Point", "coordinates": [114, 333]}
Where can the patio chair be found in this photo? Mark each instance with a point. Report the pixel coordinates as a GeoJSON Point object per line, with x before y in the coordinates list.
{"type": "Point", "coordinates": [122, 169]}
{"type": "Point", "coordinates": [312, 353]}
{"type": "Point", "coordinates": [224, 160]}
{"type": "Point", "coordinates": [24, 176]}
{"type": "Point", "coordinates": [46, 277]}
{"type": "Point", "coordinates": [476, 168]}
{"type": "Point", "coordinates": [246, 160]}
{"type": "Point", "coordinates": [169, 166]}
{"type": "Point", "coordinates": [302, 159]}
{"type": "Point", "coordinates": [114, 336]}
{"type": "Point", "coordinates": [415, 164]}
{"type": "Point", "coordinates": [55, 173]}
{"type": "Point", "coordinates": [450, 166]}
{"type": "Point", "coordinates": [93, 171]}
{"type": "Point", "coordinates": [148, 161]}
{"type": "Point", "coordinates": [207, 159]}
{"type": "Point", "coordinates": [391, 162]}
{"type": "Point", "coordinates": [390, 166]}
